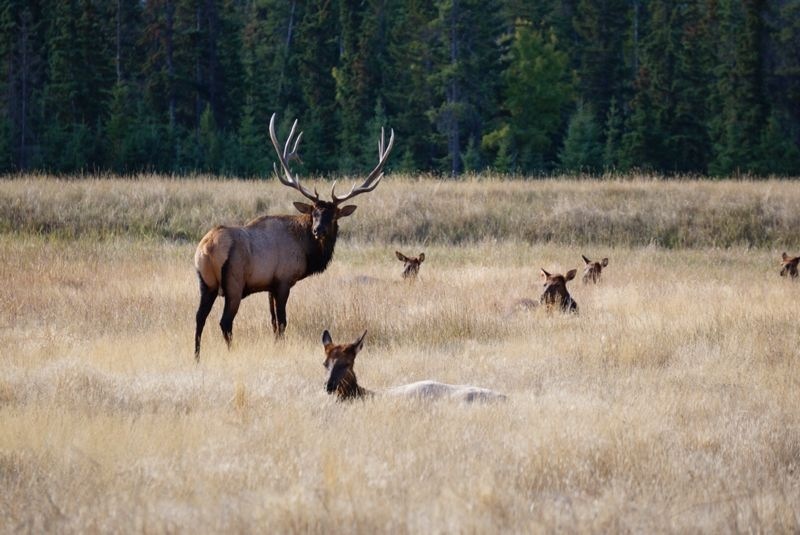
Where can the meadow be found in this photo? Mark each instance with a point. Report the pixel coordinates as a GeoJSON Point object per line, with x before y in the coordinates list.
{"type": "Point", "coordinates": [671, 403]}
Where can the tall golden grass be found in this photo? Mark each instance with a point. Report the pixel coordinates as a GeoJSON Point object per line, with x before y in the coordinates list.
{"type": "Point", "coordinates": [670, 403]}
{"type": "Point", "coordinates": [627, 212]}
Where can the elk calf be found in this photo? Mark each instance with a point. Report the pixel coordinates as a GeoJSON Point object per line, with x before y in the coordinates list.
{"type": "Point", "coordinates": [555, 292]}
{"type": "Point", "coordinates": [591, 273]}
{"type": "Point", "coordinates": [412, 264]}
{"type": "Point", "coordinates": [789, 265]}
{"type": "Point", "coordinates": [339, 361]}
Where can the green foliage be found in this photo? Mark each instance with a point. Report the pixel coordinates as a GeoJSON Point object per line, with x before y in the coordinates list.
{"type": "Point", "coordinates": [182, 85]}
{"type": "Point", "coordinates": [537, 89]}
{"type": "Point", "coordinates": [583, 149]}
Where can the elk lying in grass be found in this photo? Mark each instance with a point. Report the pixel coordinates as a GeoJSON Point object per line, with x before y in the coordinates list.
{"type": "Point", "coordinates": [411, 268]}
{"type": "Point", "coordinates": [555, 292]}
{"type": "Point", "coordinates": [339, 360]}
{"type": "Point", "coordinates": [789, 265]}
{"type": "Point", "coordinates": [271, 253]}
{"type": "Point", "coordinates": [592, 270]}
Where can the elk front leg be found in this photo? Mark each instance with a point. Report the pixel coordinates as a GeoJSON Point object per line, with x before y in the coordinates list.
{"type": "Point", "coordinates": [281, 296]}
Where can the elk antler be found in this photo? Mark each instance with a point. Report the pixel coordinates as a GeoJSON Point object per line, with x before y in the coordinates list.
{"type": "Point", "coordinates": [285, 156]}
{"type": "Point", "coordinates": [374, 177]}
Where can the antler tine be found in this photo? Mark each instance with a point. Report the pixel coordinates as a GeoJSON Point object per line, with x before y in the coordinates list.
{"type": "Point", "coordinates": [374, 178]}
{"type": "Point", "coordinates": [284, 156]}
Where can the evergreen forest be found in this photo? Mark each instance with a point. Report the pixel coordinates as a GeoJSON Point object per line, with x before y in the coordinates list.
{"type": "Point", "coordinates": [528, 87]}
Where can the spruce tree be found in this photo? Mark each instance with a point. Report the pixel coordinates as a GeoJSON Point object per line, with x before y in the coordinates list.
{"type": "Point", "coordinates": [583, 149]}
{"type": "Point", "coordinates": [537, 90]}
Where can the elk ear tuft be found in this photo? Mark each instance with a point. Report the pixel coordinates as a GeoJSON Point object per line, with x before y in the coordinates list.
{"type": "Point", "coordinates": [421, 257]}
{"type": "Point", "coordinates": [326, 338]}
{"type": "Point", "coordinates": [345, 211]}
{"type": "Point", "coordinates": [400, 256]}
{"type": "Point", "coordinates": [303, 208]}
{"type": "Point", "coordinates": [360, 342]}
{"type": "Point", "coordinates": [604, 263]}
{"type": "Point", "coordinates": [546, 274]}
{"type": "Point", "coordinates": [571, 274]}
{"type": "Point", "coordinates": [586, 260]}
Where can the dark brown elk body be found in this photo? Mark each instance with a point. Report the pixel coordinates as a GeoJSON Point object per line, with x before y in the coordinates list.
{"type": "Point", "coordinates": [789, 265]}
{"type": "Point", "coordinates": [271, 253]}
{"type": "Point", "coordinates": [411, 268]}
{"type": "Point", "coordinates": [592, 270]}
{"type": "Point", "coordinates": [555, 292]}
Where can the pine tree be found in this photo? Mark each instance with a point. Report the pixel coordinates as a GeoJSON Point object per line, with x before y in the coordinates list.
{"type": "Point", "coordinates": [740, 107]}
{"type": "Point", "coordinates": [583, 149]}
{"type": "Point", "coordinates": [467, 72]}
{"type": "Point", "coordinates": [409, 95]}
{"type": "Point", "coordinates": [317, 54]}
{"type": "Point", "coordinates": [601, 27]}
{"type": "Point", "coordinates": [537, 90]}
{"type": "Point", "coordinates": [612, 153]}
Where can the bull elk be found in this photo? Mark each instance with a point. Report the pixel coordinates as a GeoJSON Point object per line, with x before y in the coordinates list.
{"type": "Point", "coordinates": [412, 263]}
{"type": "Point", "coordinates": [555, 292]}
{"type": "Point", "coordinates": [271, 253]}
{"type": "Point", "coordinates": [789, 265]}
{"type": "Point", "coordinates": [592, 270]}
{"type": "Point", "coordinates": [339, 361]}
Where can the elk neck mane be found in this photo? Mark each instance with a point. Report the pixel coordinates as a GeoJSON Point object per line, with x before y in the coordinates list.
{"type": "Point", "coordinates": [319, 252]}
{"type": "Point", "coordinates": [348, 387]}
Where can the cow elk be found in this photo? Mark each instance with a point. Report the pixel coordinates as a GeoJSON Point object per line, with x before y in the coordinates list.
{"type": "Point", "coordinates": [339, 361]}
{"type": "Point", "coordinates": [555, 292]}
{"type": "Point", "coordinates": [271, 253]}
{"type": "Point", "coordinates": [411, 268]}
{"type": "Point", "coordinates": [789, 265]}
{"type": "Point", "coordinates": [592, 270]}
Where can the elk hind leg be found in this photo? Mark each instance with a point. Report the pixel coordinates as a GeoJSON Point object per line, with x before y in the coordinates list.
{"type": "Point", "coordinates": [207, 298]}
{"type": "Point", "coordinates": [273, 313]}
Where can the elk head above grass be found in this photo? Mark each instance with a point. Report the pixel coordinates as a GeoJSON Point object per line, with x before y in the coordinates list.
{"type": "Point", "coordinates": [555, 292]}
{"type": "Point", "coordinates": [271, 253]}
{"type": "Point", "coordinates": [592, 270]}
{"type": "Point", "coordinates": [789, 265]}
{"type": "Point", "coordinates": [339, 361]}
{"type": "Point", "coordinates": [411, 268]}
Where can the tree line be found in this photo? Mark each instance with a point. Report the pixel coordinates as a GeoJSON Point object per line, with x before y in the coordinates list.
{"type": "Point", "coordinates": [178, 86]}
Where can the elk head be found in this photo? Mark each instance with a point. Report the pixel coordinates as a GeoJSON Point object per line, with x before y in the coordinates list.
{"type": "Point", "coordinates": [555, 292]}
{"type": "Point", "coordinates": [324, 214]}
{"type": "Point", "coordinates": [339, 360]}
{"type": "Point", "coordinates": [789, 265]}
{"type": "Point", "coordinates": [592, 270]}
{"type": "Point", "coordinates": [412, 264]}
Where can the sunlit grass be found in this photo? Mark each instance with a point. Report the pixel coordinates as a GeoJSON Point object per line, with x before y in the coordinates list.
{"type": "Point", "coordinates": [670, 403]}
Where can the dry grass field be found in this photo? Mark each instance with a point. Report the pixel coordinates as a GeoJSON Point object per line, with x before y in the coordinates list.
{"type": "Point", "coordinates": [671, 403]}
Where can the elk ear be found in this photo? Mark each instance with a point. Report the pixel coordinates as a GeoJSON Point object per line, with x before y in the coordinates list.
{"type": "Point", "coordinates": [303, 208]}
{"type": "Point", "coordinates": [571, 274]}
{"type": "Point", "coordinates": [358, 344]}
{"type": "Point", "coordinates": [586, 259]}
{"type": "Point", "coordinates": [401, 257]}
{"type": "Point", "coordinates": [326, 338]}
{"type": "Point", "coordinates": [604, 262]}
{"type": "Point", "coordinates": [345, 211]}
{"type": "Point", "coordinates": [546, 274]}
{"type": "Point", "coordinates": [421, 257]}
